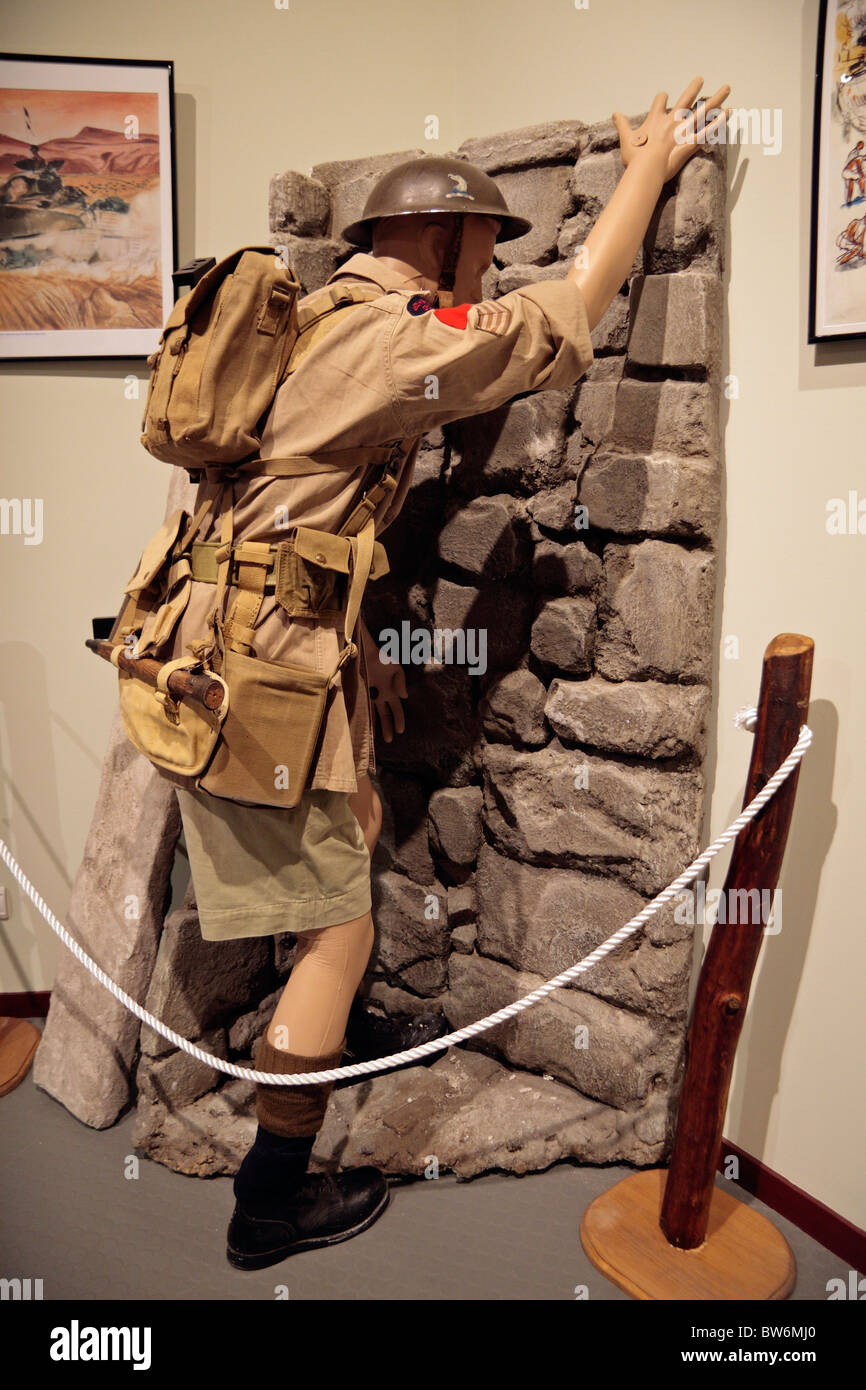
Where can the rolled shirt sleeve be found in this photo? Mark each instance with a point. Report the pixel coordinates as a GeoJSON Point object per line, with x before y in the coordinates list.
{"type": "Point", "coordinates": [475, 358]}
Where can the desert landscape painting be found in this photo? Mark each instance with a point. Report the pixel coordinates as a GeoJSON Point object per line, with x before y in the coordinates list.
{"type": "Point", "coordinates": [80, 199]}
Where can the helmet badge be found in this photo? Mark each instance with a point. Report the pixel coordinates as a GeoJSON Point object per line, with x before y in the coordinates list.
{"type": "Point", "coordinates": [460, 189]}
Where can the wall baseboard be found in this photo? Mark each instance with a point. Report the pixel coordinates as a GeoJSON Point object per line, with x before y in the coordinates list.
{"type": "Point", "coordinates": [830, 1229]}
{"type": "Point", "coordinates": [25, 1004]}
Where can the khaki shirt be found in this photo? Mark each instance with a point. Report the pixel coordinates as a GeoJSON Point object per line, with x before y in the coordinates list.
{"type": "Point", "coordinates": [390, 369]}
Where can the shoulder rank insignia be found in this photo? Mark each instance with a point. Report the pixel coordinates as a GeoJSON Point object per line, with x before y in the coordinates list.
{"type": "Point", "coordinates": [418, 304]}
{"type": "Point", "coordinates": [492, 316]}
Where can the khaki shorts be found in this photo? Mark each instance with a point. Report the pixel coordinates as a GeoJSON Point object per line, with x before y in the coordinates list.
{"type": "Point", "coordinates": [262, 870]}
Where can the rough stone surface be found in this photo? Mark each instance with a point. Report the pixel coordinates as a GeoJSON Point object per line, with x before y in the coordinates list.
{"type": "Point", "coordinates": [656, 618]}
{"type": "Point", "coordinates": [498, 613]}
{"type": "Point", "coordinates": [179, 1078]}
{"type": "Point", "coordinates": [298, 205]}
{"type": "Point", "coordinates": [89, 1041]}
{"type": "Point", "coordinates": [571, 809]}
{"type": "Point", "coordinates": [403, 843]}
{"type": "Point", "coordinates": [468, 1114]}
{"type": "Point", "coordinates": [486, 538]}
{"type": "Point", "coordinates": [516, 449]}
{"type": "Point", "coordinates": [565, 569]}
{"type": "Point", "coordinates": [349, 181]}
{"type": "Point", "coordinates": [658, 496]}
{"type": "Point", "coordinates": [514, 277]}
{"type": "Point", "coordinates": [642, 417]}
{"type": "Point", "coordinates": [544, 195]}
{"type": "Point", "coordinates": [618, 1060]}
{"type": "Point", "coordinates": [687, 231]}
{"type": "Point", "coordinates": [650, 719]}
{"type": "Point", "coordinates": [313, 259]}
{"type": "Point", "coordinates": [512, 710]}
{"type": "Point", "coordinates": [547, 919]}
{"type": "Point", "coordinates": [676, 322]}
{"type": "Point", "coordinates": [548, 142]}
{"type": "Point", "coordinates": [196, 983]}
{"type": "Point", "coordinates": [412, 932]}
{"type": "Point", "coordinates": [563, 634]}
{"type": "Point", "coordinates": [455, 823]}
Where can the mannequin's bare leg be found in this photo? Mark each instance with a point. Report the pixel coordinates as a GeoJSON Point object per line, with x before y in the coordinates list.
{"type": "Point", "coordinates": [313, 1009]}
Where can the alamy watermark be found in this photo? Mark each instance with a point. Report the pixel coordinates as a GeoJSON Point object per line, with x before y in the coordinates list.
{"type": "Point", "coordinates": [419, 647]}
{"type": "Point", "coordinates": [22, 516]}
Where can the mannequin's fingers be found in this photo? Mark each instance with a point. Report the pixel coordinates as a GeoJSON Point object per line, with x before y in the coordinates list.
{"type": "Point", "coordinates": [717, 120]}
{"type": "Point", "coordinates": [718, 97]}
{"type": "Point", "coordinates": [385, 723]}
{"type": "Point", "coordinates": [395, 709]}
{"type": "Point", "coordinates": [660, 102]}
{"type": "Point", "coordinates": [691, 91]}
{"type": "Point", "coordinates": [623, 126]}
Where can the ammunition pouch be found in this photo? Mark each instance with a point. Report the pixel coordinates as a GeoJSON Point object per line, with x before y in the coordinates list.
{"type": "Point", "coordinates": [177, 735]}
{"type": "Point", "coordinates": [258, 747]}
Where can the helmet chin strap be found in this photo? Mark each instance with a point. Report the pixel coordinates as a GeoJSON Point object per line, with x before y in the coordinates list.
{"type": "Point", "coordinates": [445, 291]}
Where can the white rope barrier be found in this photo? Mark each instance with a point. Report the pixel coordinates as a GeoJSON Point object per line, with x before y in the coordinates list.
{"type": "Point", "coordinates": [744, 718]}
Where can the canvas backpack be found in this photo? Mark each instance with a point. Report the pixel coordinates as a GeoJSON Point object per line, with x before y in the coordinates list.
{"type": "Point", "coordinates": [227, 346]}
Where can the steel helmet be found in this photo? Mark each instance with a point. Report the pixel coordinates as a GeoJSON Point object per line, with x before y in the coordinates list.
{"type": "Point", "coordinates": [434, 183]}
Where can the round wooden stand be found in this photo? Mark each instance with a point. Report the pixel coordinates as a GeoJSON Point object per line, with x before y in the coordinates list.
{"type": "Point", "coordinates": [742, 1257]}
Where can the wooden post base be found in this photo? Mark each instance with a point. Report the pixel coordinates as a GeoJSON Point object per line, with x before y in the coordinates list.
{"type": "Point", "coordinates": [743, 1256]}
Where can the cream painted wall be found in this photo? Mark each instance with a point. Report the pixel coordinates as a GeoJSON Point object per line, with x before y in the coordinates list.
{"type": "Point", "coordinates": [260, 90]}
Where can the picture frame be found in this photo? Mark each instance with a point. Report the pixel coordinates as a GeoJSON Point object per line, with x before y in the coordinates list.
{"type": "Point", "coordinates": [837, 260]}
{"type": "Point", "coordinates": [88, 223]}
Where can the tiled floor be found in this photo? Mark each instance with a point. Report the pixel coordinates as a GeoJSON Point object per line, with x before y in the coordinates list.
{"type": "Point", "coordinates": [74, 1218]}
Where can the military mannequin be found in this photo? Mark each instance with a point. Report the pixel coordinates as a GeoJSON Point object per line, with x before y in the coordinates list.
{"type": "Point", "coordinates": [426, 236]}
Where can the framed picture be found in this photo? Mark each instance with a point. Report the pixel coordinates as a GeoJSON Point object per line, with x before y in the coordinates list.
{"type": "Point", "coordinates": [837, 270]}
{"type": "Point", "coordinates": [88, 236]}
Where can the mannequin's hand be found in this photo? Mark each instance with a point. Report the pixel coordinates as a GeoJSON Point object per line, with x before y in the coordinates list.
{"type": "Point", "coordinates": [387, 688]}
{"type": "Point", "coordinates": [658, 130]}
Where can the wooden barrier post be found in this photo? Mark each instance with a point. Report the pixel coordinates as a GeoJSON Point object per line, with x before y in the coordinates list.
{"type": "Point", "coordinates": [684, 1237]}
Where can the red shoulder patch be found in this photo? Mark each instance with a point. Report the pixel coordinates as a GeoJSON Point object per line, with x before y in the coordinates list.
{"type": "Point", "coordinates": [455, 316]}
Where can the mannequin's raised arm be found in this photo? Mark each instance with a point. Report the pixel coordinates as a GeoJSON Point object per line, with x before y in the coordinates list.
{"type": "Point", "coordinates": [652, 154]}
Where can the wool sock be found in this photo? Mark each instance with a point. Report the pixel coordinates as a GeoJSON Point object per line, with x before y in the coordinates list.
{"type": "Point", "coordinates": [272, 1170]}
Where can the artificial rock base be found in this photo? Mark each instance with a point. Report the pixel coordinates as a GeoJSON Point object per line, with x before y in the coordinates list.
{"type": "Point", "coordinates": [464, 1113]}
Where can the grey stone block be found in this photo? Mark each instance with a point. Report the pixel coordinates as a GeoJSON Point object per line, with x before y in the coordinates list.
{"type": "Point", "coordinates": [455, 823]}
{"type": "Point", "coordinates": [651, 719]}
{"type": "Point", "coordinates": [614, 1061]}
{"type": "Point", "coordinates": [298, 205]}
{"type": "Point", "coordinates": [661, 495]}
{"type": "Point", "coordinates": [568, 809]}
{"type": "Point", "coordinates": [564, 633]}
{"type": "Point", "coordinates": [512, 709]}
{"type": "Point", "coordinates": [676, 322]}
{"type": "Point", "coordinates": [486, 537]}
{"type": "Point", "coordinates": [546, 142]}
{"type": "Point", "coordinates": [544, 195]}
{"type": "Point", "coordinates": [656, 617]}
{"type": "Point", "coordinates": [313, 259]}
{"type": "Point", "coordinates": [547, 920]}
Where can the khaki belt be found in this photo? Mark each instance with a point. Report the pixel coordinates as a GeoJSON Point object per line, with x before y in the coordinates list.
{"type": "Point", "coordinates": [305, 571]}
{"type": "Point", "coordinates": [322, 548]}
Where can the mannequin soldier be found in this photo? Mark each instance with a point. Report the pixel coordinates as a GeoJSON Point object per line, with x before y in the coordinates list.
{"type": "Point", "coordinates": [425, 239]}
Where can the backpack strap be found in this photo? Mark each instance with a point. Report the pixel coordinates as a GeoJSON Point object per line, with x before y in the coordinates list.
{"type": "Point", "coordinates": [254, 559]}
{"type": "Point", "coordinates": [319, 314]}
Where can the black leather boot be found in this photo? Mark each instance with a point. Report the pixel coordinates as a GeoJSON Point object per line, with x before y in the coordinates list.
{"type": "Point", "coordinates": [369, 1035]}
{"type": "Point", "coordinates": [323, 1209]}
{"type": "Point", "coordinates": [281, 1209]}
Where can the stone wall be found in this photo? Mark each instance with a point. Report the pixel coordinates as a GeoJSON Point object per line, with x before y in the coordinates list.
{"type": "Point", "coordinates": [533, 809]}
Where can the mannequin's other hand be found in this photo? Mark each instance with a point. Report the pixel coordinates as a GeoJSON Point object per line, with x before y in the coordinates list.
{"type": "Point", "coordinates": [657, 135]}
{"type": "Point", "coordinates": [387, 688]}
